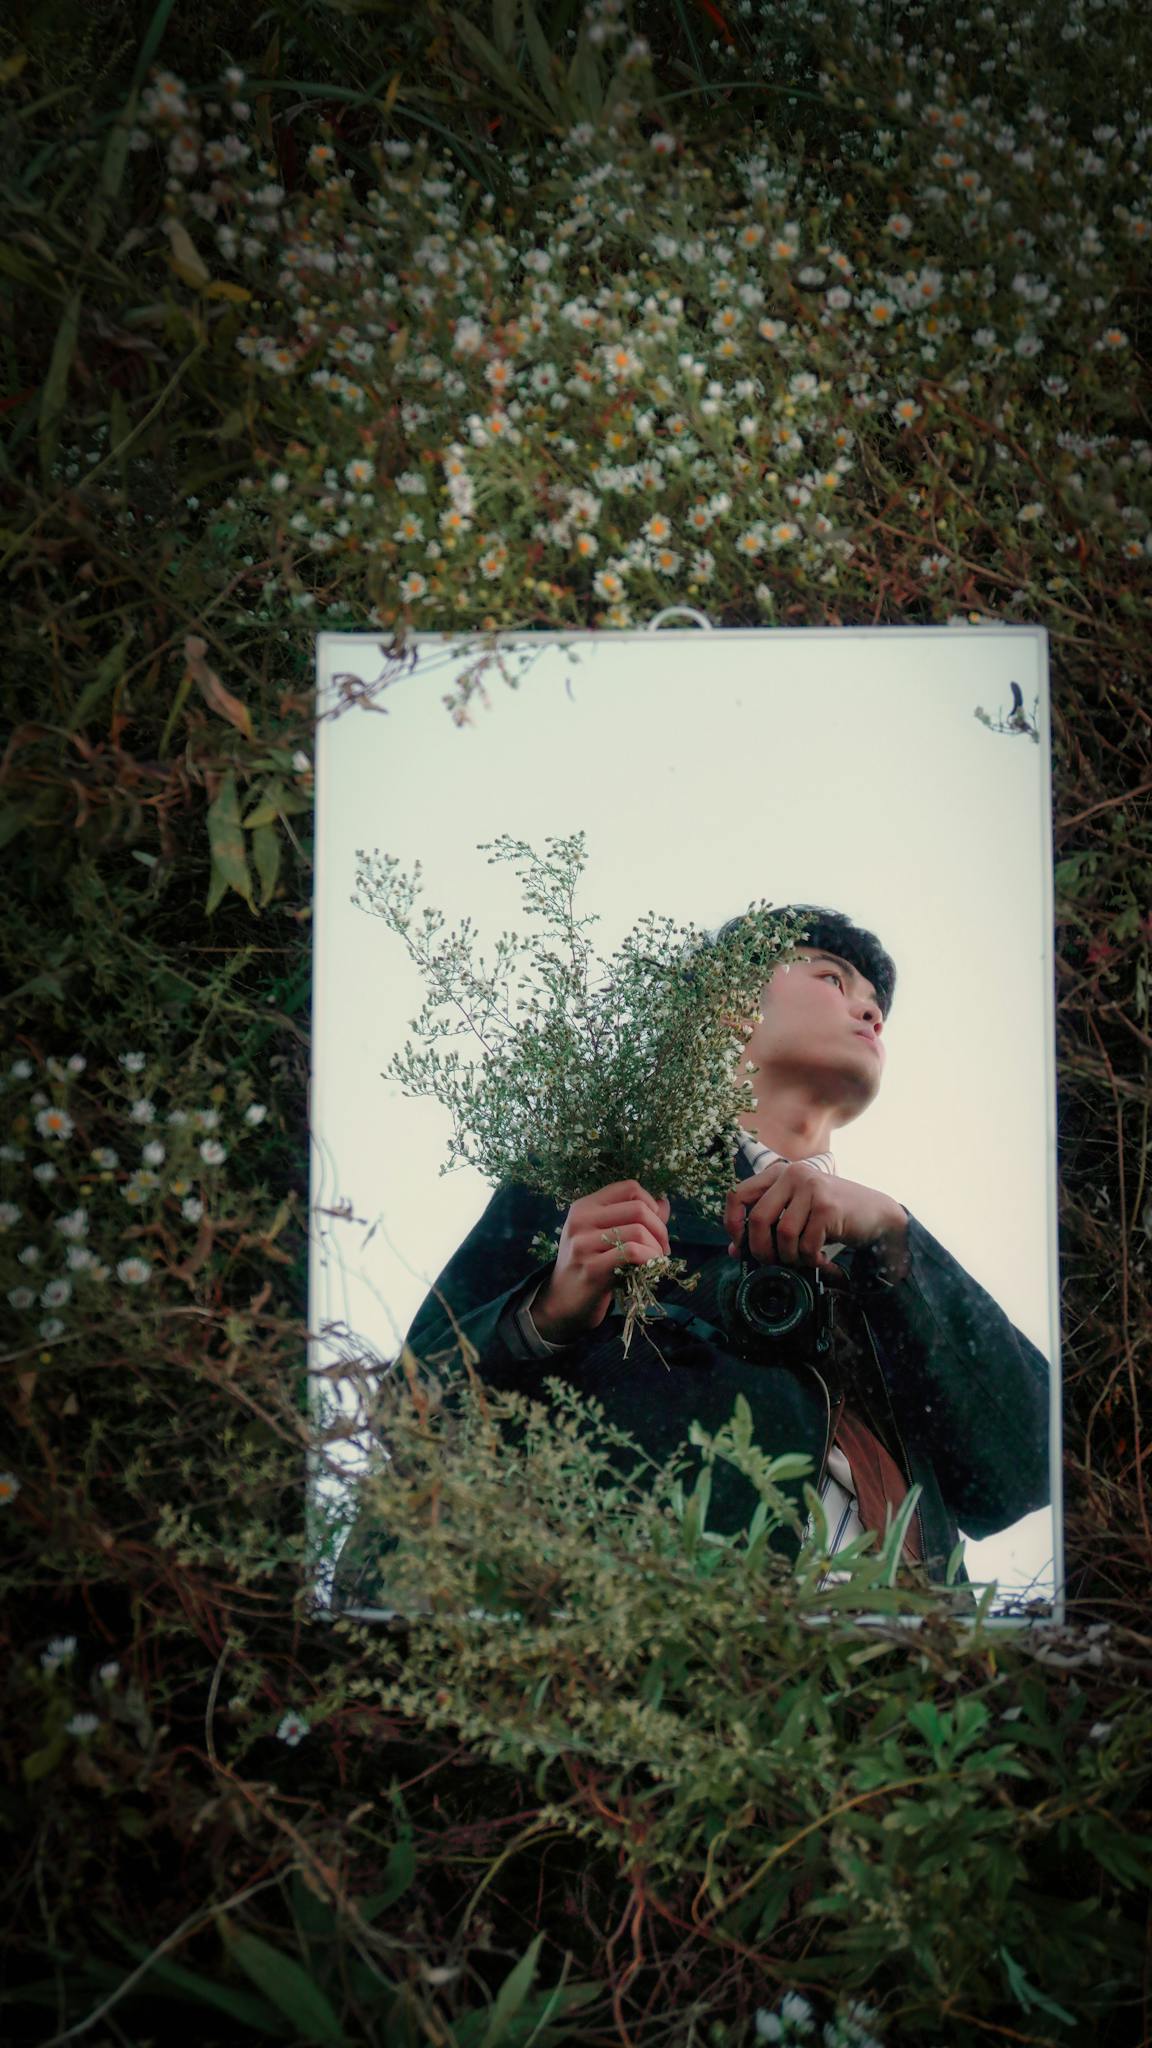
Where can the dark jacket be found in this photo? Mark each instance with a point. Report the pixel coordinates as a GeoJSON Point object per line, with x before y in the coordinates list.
{"type": "Point", "coordinates": [957, 1394]}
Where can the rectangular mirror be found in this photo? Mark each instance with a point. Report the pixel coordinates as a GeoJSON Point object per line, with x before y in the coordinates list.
{"type": "Point", "coordinates": [898, 776]}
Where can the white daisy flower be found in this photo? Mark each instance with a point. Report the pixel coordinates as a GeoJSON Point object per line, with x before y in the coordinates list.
{"type": "Point", "coordinates": [30, 1256]}
{"type": "Point", "coordinates": [134, 1272]}
{"type": "Point", "coordinates": [21, 1070]}
{"type": "Point", "coordinates": [192, 1210]}
{"type": "Point", "coordinates": [177, 1116]}
{"type": "Point", "coordinates": [83, 1724]}
{"type": "Point", "coordinates": [207, 1119]}
{"type": "Point", "coordinates": [255, 1113]}
{"type": "Point", "coordinates": [9, 1214]}
{"type": "Point", "coordinates": [50, 1328]}
{"type": "Point", "coordinates": [76, 1063]}
{"type": "Point", "coordinates": [133, 1062]}
{"type": "Point", "coordinates": [55, 1123]}
{"type": "Point", "coordinates": [109, 1673]}
{"type": "Point", "coordinates": [21, 1297]}
{"type": "Point", "coordinates": [153, 1153]}
{"type": "Point", "coordinates": [292, 1729]}
{"type": "Point", "coordinates": [56, 1293]}
{"type": "Point", "coordinates": [45, 1172]}
{"type": "Point", "coordinates": [212, 1153]}
{"type": "Point", "coordinates": [143, 1110]}
{"type": "Point", "coordinates": [12, 1152]}
{"type": "Point", "coordinates": [103, 1156]}
{"type": "Point", "coordinates": [79, 1258]}
{"type": "Point", "coordinates": [74, 1224]}
{"type": "Point", "coordinates": [9, 1488]}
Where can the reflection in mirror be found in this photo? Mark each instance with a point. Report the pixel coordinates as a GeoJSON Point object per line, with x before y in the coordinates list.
{"type": "Point", "coordinates": [903, 1061]}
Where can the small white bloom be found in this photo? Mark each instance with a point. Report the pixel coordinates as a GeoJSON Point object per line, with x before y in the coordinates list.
{"type": "Point", "coordinates": [255, 1113]}
{"type": "Point", "coordinates": [103, 1156]}
{"type": "Point", "coordinates": [45, 1172]}
{"type": "Point", "coordinates": [143, 1110]}
{"type": "Point", "coordinates": [768, 2026]}
{"type": "Point", "coordinates": [292, 1729]}
{"type": "Point", "coordinates": [50, 1328]}
{"type": "Point", "coordinates": [109, 1673]}
{"type": "Point", "coordinates": [21, 1297]}
{"type": "Point", "coordinates": [79, 1258]}
{"type": "Point", "coordinates": [213, 1153]}
{"type": "Point", "coordinates": [206, 1119]}
{"type": "Point", "coordinates": [192, 1210]}
{"type": "Point", "coordinates": [153, 1153]}
{"type": "Point", "coordinates": [300, 762]}
{"type": "Point", "coordinates": [56, 1293]}
{"type": "Point", "coordinates": [30, 1256]}
{"type": "Point", "coordinates": [74, 1224]}
{"type": "Point", "coordinates": [55, 1123]}
{"type": "Point", "coordinates": [133, 1062]}
{"type": "Point", "coordinates": [9, 1488]}
{"type": "Point", "coordinates": [21, 1070]}
{"type": "Point", "coordinates": [76, 1063]}
{"type": "Point", "coordinates": [83, 1724]}
{"type": "Point", "coordinates": [134, 1272]}
{"type": "Point", "coordinates": [9, 1214]}
{"type": "Point", "coordinates": [177, 1116]}
{"type": "Point", "coordinates": [59, 1651]}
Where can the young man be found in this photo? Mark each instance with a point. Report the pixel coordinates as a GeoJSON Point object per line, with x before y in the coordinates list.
{"type": "Point", "coordinates": [925, 1379]}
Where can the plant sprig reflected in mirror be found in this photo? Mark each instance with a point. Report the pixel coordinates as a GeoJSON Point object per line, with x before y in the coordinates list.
{"type": "Point", "coordinates": [585, 1079]}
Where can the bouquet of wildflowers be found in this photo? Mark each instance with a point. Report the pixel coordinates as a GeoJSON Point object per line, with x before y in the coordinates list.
{"type": "Point", "coordinates": [587, 1072]}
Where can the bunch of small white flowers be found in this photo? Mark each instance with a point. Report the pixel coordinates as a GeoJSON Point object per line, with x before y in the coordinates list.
{"type": "Point", "coordinates": [793, 2024]}
{"type": "Point", "coordinates": [597, 1072]}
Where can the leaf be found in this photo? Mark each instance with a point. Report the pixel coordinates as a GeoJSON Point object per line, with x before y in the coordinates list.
{"type": "Point", "coordinates": [1027, 1995]}
{"type": "Point", "coordinates": [288, 1987]}
{"type": "Point", "coordinates": [164, 1977]}
{"type": "Point", "coordinates": [504, 27]}
{"type": "Point", "coordinates": [266, 854]}
{"type": "Point", "coordinates": [501, 73]}
{"type": "Point", "coordinates": [54, 390]}
{"type": "Point", "coordinates": [41, 1761]}
{"type": "Point", "coordinates": [185, 258]}
{"type": "Point", "coordinates": [220, 288]}
{"type": "Point", "coordinates": [543, 59]}
{"type": "Point", "coordinates": [275, 802]}
{"type": "Point", "coordinates": [229, 861]}
{"type": "Point", "coordinates": [109, 672]}
{"type": "Point", "coordinates": [511, 1995]}
{"type": "Point", "coordinates": [212, 689]}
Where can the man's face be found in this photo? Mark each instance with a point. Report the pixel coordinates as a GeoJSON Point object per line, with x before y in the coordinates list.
{"type": "Point", "coordinates": [821, 1025]}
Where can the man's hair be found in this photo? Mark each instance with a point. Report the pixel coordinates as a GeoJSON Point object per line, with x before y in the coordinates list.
{"type": "Point", "coordinates": [831, 931]}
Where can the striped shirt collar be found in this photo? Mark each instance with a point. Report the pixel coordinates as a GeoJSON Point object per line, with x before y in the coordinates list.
{"type": "Point", "coordinates": [759, 1156]}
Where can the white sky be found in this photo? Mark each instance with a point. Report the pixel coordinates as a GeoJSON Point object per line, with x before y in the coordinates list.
{"type": "Point", "coordinates": [841, 767]}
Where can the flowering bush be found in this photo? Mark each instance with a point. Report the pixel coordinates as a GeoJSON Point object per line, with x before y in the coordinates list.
{"type": "Point", "coordinates": [664, 376]}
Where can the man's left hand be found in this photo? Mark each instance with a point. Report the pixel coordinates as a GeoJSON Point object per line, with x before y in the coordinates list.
{"type": "Point", "coordinates": [809, 1209]}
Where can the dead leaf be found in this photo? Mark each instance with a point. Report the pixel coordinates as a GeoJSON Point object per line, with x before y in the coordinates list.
{"type": "Point", "coordinates": [212, 688]}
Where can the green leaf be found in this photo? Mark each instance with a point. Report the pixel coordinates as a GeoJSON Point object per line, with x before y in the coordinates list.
{"type": "Point", "coordinates": [41, 1761]}
{"type": "Point", "coordinates": [288, 1987]}
{"type": "Point", "coordinates": [165, 1978]}
{"type": "Point", "coordinates": [229, 860]}
{"type": "Point", "coordinates": [500, 73]}
{"type": "Point", "coordinates": [108, 673]}
{"type": "Point", "coordinates": [266, 854]}
{"type": "Point", "coordinates": [543, 59]}
{"type": "Point", "coordinates": [54, 390]}
{"type": "Point", "coordinates": [1027, 1995]}
{"type": "Point", "coordinates": [511, 1995]}
{"type": "Point", "coordinates": [504, 27]}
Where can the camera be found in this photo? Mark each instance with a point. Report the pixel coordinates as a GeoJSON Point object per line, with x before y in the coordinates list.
{"type": "Point", "coordinates": [781, 1314]}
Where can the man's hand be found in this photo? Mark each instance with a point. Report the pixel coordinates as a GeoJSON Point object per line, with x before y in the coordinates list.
{"type": "Point", "coordinates": [621, 1225]}
{"type": "Point", "coordinates": [810, 1209]}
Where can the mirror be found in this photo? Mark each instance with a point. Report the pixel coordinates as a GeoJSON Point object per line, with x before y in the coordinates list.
{"type": "Point", "coordinates": [899, 776]}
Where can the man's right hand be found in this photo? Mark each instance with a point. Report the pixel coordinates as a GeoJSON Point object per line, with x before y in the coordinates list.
{"type": "Point", "coordinates": [578, 1293]}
